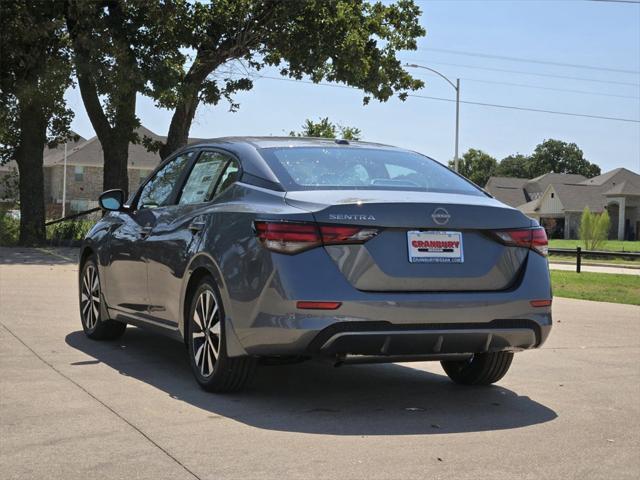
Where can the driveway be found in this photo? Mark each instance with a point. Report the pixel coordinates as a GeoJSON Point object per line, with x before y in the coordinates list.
{"type": "Point", "coordinates": [71, 408]}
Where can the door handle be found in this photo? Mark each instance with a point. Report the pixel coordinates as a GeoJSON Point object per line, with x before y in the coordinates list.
{"type": "Point", "coordinates": [196, 226]}
{"type": "Point", "coordinates": [145, 232]}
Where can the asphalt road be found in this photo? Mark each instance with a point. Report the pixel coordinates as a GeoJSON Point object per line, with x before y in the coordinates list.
{"type": "Point", "coordinates": [71, 408]}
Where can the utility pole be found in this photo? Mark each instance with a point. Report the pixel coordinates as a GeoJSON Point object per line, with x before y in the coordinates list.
{"type": "Point", "coordinates": [64, 182]}
{"type": "Point", "coordinates": [456, 87]}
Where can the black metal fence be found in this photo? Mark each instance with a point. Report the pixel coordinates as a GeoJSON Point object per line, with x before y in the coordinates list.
{"type": "Point", "coordinates": [579, 253]}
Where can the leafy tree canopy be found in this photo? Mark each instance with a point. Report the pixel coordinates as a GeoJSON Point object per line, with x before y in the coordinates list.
{"type": "Point", "coordinates": [560, 157]}
{"type": "Point", "coordinates": [324, 128]}
{"type": "Point", "coordinates": [36, 69]}
{"type": "Point", "coordinates": [476, 165]}
{"type": "Point", "coordinates": [514, 166]}
{"type": "Point", "coordinates": [549, 156]}
{"type": "Point", "coordinates": [354, 42]}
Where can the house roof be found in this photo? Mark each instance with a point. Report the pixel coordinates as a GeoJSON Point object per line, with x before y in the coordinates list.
{"type": "Point", "coordinates": [605, 177]}
{"type": "Point", "coordinates": [508, 182]}
{"type": "Point", "coordinates": [71, 144]}
{"type": "Point", "coordinates": [627, 187]}
{"type": "Point", "coordinates": [90, 154]}
{"type": "Point", "coordinates": [575, 198]}
{"type": "Point", "coordinates": [529, 207]}
{"type": "Point", "coordinates": [509, 195]}
{"type": "Point", "coordinates": [540, 184]}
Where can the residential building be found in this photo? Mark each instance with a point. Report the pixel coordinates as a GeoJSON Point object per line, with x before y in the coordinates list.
{"type": "Point", "coordinates": [84, 172]}
{"type": "Point", "coordinates": [557, 200]}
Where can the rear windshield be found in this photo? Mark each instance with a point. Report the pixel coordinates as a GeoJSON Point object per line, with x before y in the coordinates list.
{"type": "Point", "coordinates": [321, 168]}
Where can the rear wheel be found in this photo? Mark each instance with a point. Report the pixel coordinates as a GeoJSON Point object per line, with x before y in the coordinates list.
{"type": "Point", "coordinates": [213, 369]}
{"type": "Point", "coordinates": [91, 312]}
{"type": "Point", "coordinates": [480, 369]}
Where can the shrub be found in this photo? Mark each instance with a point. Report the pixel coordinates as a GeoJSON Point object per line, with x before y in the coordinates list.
{"type": "Point", "coordinates": [9, 229]}
{"type": "Point", "coordinates": [69, 231]}
{"type": "Point", "coordinates": [594, 229]}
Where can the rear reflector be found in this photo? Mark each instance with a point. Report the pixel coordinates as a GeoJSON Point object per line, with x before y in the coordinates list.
{"type": "Point", "coordinates": [318, 305]}
{"type": "Point", "coordinates": [288, 237]}
{"type": "Point", "coordinates": [540, 303]}
{"type": "Point", "coordinates": [533, 238]}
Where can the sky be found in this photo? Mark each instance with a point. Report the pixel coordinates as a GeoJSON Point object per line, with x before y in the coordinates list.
{"type": "Point", "coordinates": [463, 38]}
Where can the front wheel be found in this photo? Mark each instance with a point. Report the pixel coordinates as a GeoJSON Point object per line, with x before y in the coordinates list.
{"type": "Point", "coordinates": [480, 369]}
{"type": "Point", "coordinates": [213, 369]}
{"type": "Point", "coordinates": [91, 309]}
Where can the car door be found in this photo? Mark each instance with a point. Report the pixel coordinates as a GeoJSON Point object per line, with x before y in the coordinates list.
{"type": "Point", "coordinates": [176, 233]}
{"type": "Point", "coordinates": [127, 282]}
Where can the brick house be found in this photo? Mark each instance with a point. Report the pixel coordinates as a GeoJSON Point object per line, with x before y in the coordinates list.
{"type": "Point", "coordinates": [84, 172]}
{"type": "Point", "coordinates": [557, 200]}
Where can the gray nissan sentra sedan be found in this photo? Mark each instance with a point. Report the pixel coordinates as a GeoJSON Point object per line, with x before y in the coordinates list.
{"type": "Point", "coordinates": [277, 250]}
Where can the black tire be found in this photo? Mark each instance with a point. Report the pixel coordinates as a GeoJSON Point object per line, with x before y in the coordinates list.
{"type": "Point", "coordinates": [92, 312]}
{"type": "Point", "coordinates": [481, 369]}
{"type": "Point", "coordinates": [206, 345]}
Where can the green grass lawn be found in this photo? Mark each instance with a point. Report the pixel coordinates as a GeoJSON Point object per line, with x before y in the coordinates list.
{"type": "Point", "coordinates": [599, 287]}
{"type": "Point", "coordinates": [609, 245]}
{"type": "Point", "coordinates": [594, 261]}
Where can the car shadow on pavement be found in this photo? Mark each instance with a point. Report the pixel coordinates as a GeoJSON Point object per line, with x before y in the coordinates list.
{"type": "Point", "coordinates": [38, 256]}
{"type": "Point", "coordinates": [315, 397]}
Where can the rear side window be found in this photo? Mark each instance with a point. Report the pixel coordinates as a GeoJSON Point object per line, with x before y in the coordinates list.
{"type": "Point", "coordinates": [203, 178]}
{"type": "Point", "coordinates": [318, 168]}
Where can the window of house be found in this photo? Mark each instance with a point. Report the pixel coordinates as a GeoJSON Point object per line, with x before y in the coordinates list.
{"type": "Point", "coordinates": [78, 173]}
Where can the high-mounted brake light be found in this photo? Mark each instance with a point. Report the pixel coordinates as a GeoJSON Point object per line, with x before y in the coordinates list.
{"type": "Point", "coordinates": [533, 238]}
{"type": "Point", "coordinates": [287, 237]}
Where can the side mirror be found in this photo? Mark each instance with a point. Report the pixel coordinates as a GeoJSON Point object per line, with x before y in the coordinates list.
{"type": "Point", "coordinates": [112, 200]}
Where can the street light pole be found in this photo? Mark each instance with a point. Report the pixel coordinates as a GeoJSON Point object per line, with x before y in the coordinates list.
{"type": "Point", "coordinates": [456, 87]}
{"type": "Point", "coordinates": [64, 182]}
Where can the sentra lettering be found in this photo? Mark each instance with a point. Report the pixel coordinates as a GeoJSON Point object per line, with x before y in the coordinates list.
{"type": "Point", "coordinates": [350, 217]}
{"type": "Point", "coordinates": [435, 243]}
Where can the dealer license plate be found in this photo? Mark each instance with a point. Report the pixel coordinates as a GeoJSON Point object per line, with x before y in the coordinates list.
{"type": "Point", "coordinates": [435, 247]}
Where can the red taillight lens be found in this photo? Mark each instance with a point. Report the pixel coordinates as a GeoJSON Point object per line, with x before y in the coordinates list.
{"type": "Point", "coordinates": [285, 237]}
{"type": "Point", "coordinates": [533, 238]}
{"type": "Point", "coordinates": [332, 234]}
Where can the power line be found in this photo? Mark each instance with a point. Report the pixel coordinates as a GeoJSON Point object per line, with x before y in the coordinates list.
{"type": "Point", "coordinates": [530, 60]}
{"type": "Point", "coordinates": [566, 77]}
{"type": "Point", "coordinates": [481, 104]}
{"type": "Point", "coordinates": [636, 2]}
{"type": "Point", "coordinates": [528, 109]}
{"type": "Point", "coordinates": [553, 89]}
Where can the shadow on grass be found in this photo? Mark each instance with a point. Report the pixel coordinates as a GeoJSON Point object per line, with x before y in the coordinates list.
{"type": "Point", "coordinates": [317, 398]}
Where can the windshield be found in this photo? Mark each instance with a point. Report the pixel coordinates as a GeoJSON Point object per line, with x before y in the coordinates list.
{"type": "Point", "coordinates": [320, 168]}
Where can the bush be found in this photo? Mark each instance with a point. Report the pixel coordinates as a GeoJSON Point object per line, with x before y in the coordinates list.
{"type": "Point", "coordinates": [69, 231]}
{"type": "Point", "coordinates": [9, 229]}
{"type": "Point", "coordinates": [594, 229]}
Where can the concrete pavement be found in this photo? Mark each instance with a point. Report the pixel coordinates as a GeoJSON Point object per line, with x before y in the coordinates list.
{"type": "Point", "coordinates": [71, 408]}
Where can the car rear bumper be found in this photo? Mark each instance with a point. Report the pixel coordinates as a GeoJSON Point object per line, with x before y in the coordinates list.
{"type": "Point", "coordinates": [393, 323]}
{"type": "Point", "coordinates": [377, 338]}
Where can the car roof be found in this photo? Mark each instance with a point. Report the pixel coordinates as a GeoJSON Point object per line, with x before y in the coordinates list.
{"type": "Point", "coordinates": [281, 142]}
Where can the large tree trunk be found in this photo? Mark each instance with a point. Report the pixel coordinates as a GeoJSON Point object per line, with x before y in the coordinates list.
{"type": "Point", "coordinates": [116, 154]}
{"type": "Point", "coordinates": [29, 156]}
{"type": "Point", "coordinates": [178, 135]}
{"type": "Point", "coordinates": [180, 125]}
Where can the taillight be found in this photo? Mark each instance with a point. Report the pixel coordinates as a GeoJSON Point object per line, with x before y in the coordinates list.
{"type": "Point", "coordinates": [286, 237]}
{"type": "Point", "coordinates": [533, 238]}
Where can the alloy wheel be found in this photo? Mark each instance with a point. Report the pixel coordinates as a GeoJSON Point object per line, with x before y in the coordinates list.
{"type": "Point", "coordinates": [205, 332]}
{"type": "Point", "coordinates": [90, 297]}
